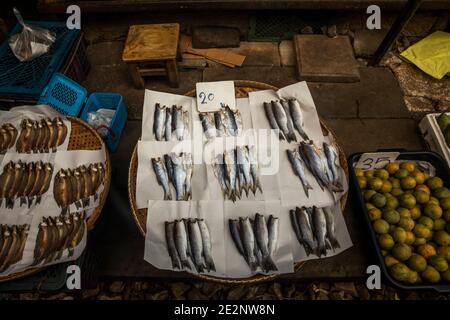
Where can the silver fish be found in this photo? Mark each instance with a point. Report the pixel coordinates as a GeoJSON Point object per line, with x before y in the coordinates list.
{"type": "Point", "coordinates": [162, 176]}
{"type": "Point", "coordinates": [179, 176]}
{"type": "Point", "coordinates": [169, 167]}
{"type": "Point", "coordinates": [273, 227]}
{"type": "Point", "coordinates": [254, 169]}
{"type": "Point", "coordinates": [181, 243]}
{"type": "Point", "coordinates": [186, 124]}
{"type": "Point", "coordinates": [178, 123]}
{"type": "Point", "coordinates": [256, 250]}
{"type": "Point", "coordinates": [231, 173]}
{"type": "Point", "coordinates": [331, 156]}
{"type": "Point", "coordinates": [208, 124]}
{"type": "Point", "coordinates": [295, 226]}
{"type": "Point", "coordinates": [230, 121]}
{"type": "Point", "coordinates": [290, 124]}
{"type": "Point", "coordinates": [272, 121]}
{"type": "Point", "coordinates": [189, 169]}
{"type": "Point", "coordinates": [233, 225]}
{"type": "Point", "coordinates": [320, 227]}
{"type": "Point", "coordinates": [331, 227]}
{"type": "Point", "coordinates": [248, 242]}
{"type": "Point", "coordinates": [219, 172]}
{"type": "Point", "coordinates": [315, 164]}
{"type": "Point", "coordinates": [244, 166]}
{"type": "Point", "coordinates": [168, 125]}
{"type": "Point", "coordinates": [159, 121]}
{"type": "Point", "coordinates": [186, 226]}
{"type": "Point", "coordinates": [206, 240]}
{"type": "Point", "coordinates": [195, 239]}
{"type": "Point", "coordinates": [297, 117]}
{"type": "Point", "coordinates": [170, 242]}
{"type": "Point", "coordinates": [238, 120]}
{"type": "Point", "coordinates": [281, 117]}
{"type": "Point", "coordinates": [304, 224]}
{"type": "Point", "coordinates": [262, 238]}
{"type": "Point", "coordinates": [299, 169]}
{"type": "Point", "coordinates": [219, 124]}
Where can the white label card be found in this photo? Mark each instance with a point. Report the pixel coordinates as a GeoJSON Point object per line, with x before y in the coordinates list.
{"type": "Point", "coordinates": [211, 96]}
{"type": "Point", "coordinates": [376, 160]}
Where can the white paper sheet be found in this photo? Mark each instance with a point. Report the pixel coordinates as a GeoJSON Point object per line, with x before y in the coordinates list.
{"type": "Point", "coordinates": [155, 240]}
{"type": "Point", "coordinates": [236, 265]}
{"type": "Point", "coordinates": [342, 236]}
{"type": "Point", "coordinates": [151, 98]}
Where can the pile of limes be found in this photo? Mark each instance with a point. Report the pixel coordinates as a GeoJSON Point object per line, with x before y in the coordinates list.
{"type": "Point", "coordinates": [410, 213]}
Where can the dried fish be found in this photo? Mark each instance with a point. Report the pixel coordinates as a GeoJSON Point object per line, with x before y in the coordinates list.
{"type": "Point", "coordinates": [159, 122]}
{"type": "Point", "coordinates": [162, 176]}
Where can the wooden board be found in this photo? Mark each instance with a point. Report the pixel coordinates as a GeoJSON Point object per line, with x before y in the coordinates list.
{"type": "Point", "coordinates": [151, 42]}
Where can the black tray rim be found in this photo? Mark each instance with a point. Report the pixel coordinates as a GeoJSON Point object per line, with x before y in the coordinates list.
{"type": "Point", "coordinates": [352, 159]}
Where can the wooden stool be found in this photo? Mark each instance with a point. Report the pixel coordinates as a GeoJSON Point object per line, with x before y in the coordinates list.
{"type": "Point", "coordinates": [151, 50]}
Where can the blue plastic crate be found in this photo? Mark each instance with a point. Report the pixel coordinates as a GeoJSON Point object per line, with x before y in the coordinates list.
{"type": "Point", "coordinates": [29, 78]}
{"type": "Point", "coordinates": [104, 100]}
{"type": "Point", "coordinates": [64, 95]}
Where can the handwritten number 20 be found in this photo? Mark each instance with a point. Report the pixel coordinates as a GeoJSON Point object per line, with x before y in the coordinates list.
{"type": "Point", "coordinates": [204, 97]}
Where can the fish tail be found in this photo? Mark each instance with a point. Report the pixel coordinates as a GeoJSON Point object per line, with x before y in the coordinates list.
{"type": "Point", "coordinates": [258, 185]}
{"type": "Point", "coordinates": [176, 264]}
{"type": "Point", "coordinates": [210, 264]}
{"type": "Point", "coordinates": [281, 135]}
{"type": "Point", "coordinates": [335, 243]}
{"type": "Point", "coordinates": [321, 250]}
{"type": "Point", "coordinates": [253, 265]}
{"type": "Point", "coordinates": [268, 264]}
{"type": "Point", "coordinates": [292, 137]}
{"type": "Point", "coordinates": [185, 264]}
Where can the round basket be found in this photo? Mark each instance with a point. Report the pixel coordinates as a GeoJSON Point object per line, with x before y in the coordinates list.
{"type": "Point", "coordinates": [82, 137]}
{"type": "Point", "coordinates": [242, 88]}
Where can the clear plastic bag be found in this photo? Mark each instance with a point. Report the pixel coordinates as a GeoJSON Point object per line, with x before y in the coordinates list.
{"type": "Point", "coordinates": [101, 120]}
{"type": "Point", "coordinates": [31, 42]}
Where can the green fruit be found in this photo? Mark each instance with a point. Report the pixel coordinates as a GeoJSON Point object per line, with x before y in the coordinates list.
{"type": "Point", "coordinates": [419, 241]}
{"type": "Point", "coordinates": [382, 174]}
{"type": "Point", "coordinates": [401, 173]}
{"type": "Point", "coordinates": [369, 206]}
{"type": "Point", "coordinates": [406, 223]}
{"type": "Point", "coordinates": [433, 211]}
{"type": "Point", "coordinates": [386, 242]}
{"type": "Point", "coordinates": [404, 213]}
{"type": "Point", "coordinates": [435, 183]}
{"type": "Point", "coordinates": [374, 214]}
{"type": "Point", "coordinates": [368, 194]}
{"type": "Point", "coordinates": [427, 222]}
{"type": "Point", "coordinates": [439, 224]}
{"type": "Point", "coordinates": [391, 203]}
{"type": "Point", "coordinates": [445, 203]}
{"type": "Point", "coordinates": [407, 200]}
{"type": "Point", "coordinates": [408, 183]}
{"type": "Point", "coordinates": [400, 271]}
{"type": "Point", "coordinates": [417, 263]}
{"type": "Point", "coordinates": [399, 235]}
{"type": "Point", "coordinates": [362, 182]}
{"type": "Point", "coordinates": [378, 200]}
{"type": "Point", "coordinates": [380, 226]}
{"type": "Point", "coordinates": [421, 197]}
{"type": "Point", "coordinates": [391, 216]}
{"type": "Point", "coordinates": [375, 184]}
{"type": "Point", "coordinates": [430, 274]}
{"type": "Point", "coordinates": [389, 261]}
{"type": "Point", "coordinates": [441, 193]}
{"type": "Point", "coordinates": [443, 121]}
{"type": "Point", "coordinates": [401, 251]}
{"type": "Point", "coordinates": [410, 238]}
{"type": "Point", "coordinates": [439, 263]}
{"type": "Point", "coordinates": [396, 192]}
{"type": "Point", "coordinates": [420, 231]}
{"type": "Point", "coordinates": [442, 238]}
{"type": "Point", "coordinates": [413, 277]}
{"type": "Point", "coordinates": [446, 275]}
{"type": "Point", "coordinates": [415, 212]}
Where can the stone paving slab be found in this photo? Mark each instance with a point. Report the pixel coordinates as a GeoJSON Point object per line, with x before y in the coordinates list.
{"type": "Point", "coordinates": [276, 76]}
{"type": "Point", "coordinates": [366, 41]}
{"type": "Point", "coordinates": [324, 59]}
{"type": "Point", "coordinates": [116, 78]}
{"type": "Point", "coordinates": [287, 53]}
{"type": "Point", "coordinates": [380, 95]}
{"type": "Point", "coordinates": [105, 53]}
{"type": "Point", "coordinates": [259, 53]}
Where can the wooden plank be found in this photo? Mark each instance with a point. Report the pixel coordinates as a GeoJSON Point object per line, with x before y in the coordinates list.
{"type": "Point", "coordinates": [148, 72]}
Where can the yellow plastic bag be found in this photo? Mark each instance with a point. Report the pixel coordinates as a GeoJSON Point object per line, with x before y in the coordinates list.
{"type": "Point", "coordinates": [431, 54]}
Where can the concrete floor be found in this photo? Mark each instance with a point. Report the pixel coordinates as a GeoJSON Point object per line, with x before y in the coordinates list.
{"type": "Point", "coordinates": [362, 118]}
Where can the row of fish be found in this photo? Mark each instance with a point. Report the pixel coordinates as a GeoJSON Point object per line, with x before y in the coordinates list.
{"type": "Point", "coordinates": [8, 135]}
{"type": "Point", "coordinates": [321, 163]}
{"type": "Point", "coordinates": [27, 181]}
{"type": "Point", "coordinates": [176, 170]}
{"type": "Point", "coordinates": [41, 136]}
{"type": "Point", "coordinates": [169, 121]}
{"type": "Point", "coordinates": [237, 170]}
{"type": "Point", "coordinates": [315, 229]}
{"type": "Point", "coordinates": [12, 244]}
{"type": "Point", "coordinates": [286, 116]}
{"type": "Point", "coordinates": [222, 123]}
{"type": "Point", "coordinates": [256, 240]}
{"type": "Point", "coordinates": [57, 234]}
{"type": "Point", "coordinates": [78, 185]}
{"type": "Point", "coordinates": [189, 239]}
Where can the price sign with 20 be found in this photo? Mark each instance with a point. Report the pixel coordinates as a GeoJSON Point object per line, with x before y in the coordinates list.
{"type": "Point", "coordinates": [377, 160]}
{"type": "Point", "coordinates": [211, 96]}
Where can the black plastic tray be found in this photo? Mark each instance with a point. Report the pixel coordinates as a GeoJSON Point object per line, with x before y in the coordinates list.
{"type": "Point", "coordinates": [442, 170]}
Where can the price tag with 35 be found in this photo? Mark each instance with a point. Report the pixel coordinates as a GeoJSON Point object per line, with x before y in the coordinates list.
{"type": "Point", "coordinates": [211, 96]}
{"type": "Point", "coordinates": [376, 160]}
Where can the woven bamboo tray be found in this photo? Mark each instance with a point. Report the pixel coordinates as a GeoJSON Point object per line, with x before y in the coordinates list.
{"type": "Point", "coordinates": [242, 88]}
{"type": "Point", "coordinates": [82, 137]}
